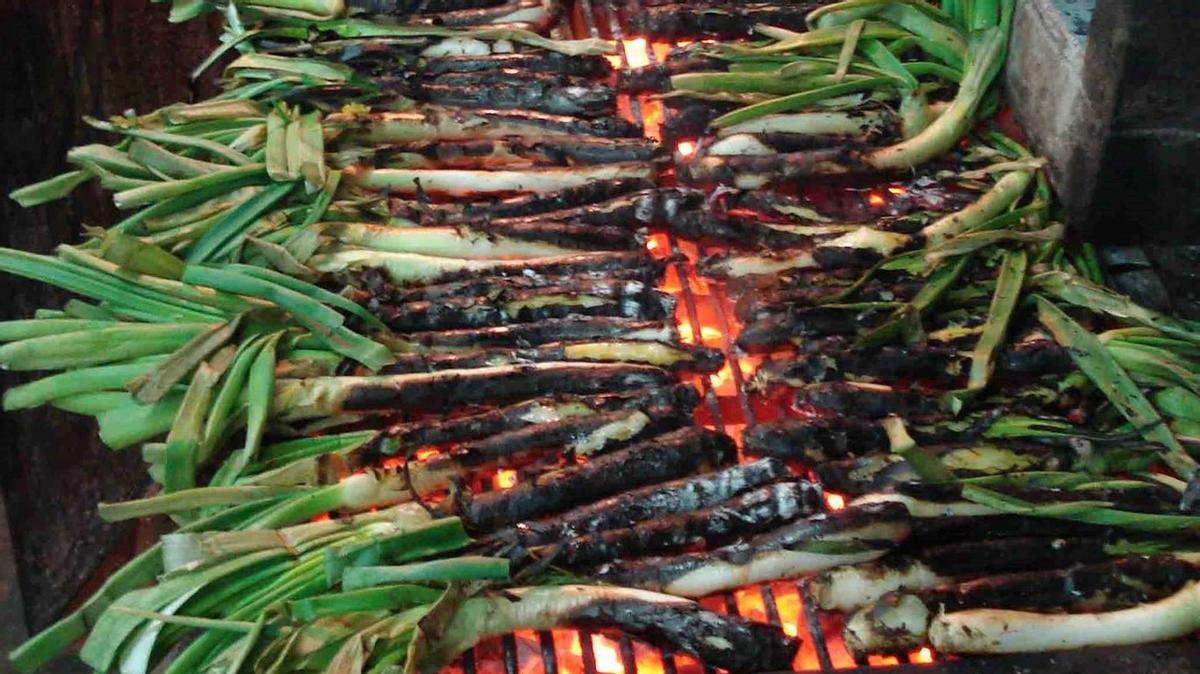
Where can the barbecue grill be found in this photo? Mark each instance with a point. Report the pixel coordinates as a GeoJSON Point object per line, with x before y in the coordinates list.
{"type": "Point", "coordinates": [705, 316]}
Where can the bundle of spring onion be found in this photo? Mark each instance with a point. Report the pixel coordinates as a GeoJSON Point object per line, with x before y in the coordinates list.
{"type": "Point", "coordinates": [830, 89]}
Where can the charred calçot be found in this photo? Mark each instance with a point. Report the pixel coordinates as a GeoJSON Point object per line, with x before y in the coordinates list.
{"type": "Point", "coordinates": [902, 620]}
{"type": "Point", "coordinates": [439, 390]}
{"type": "Point", "coordinates": [629, 508]}
{"type": "Point", "coordinates": [383, 292]}
{"type": "Point", "coordinates": [750, 513]}
{"type": "Point", "coordinates": [522, 205]}
{"type": "Point", "coordinates": [721, 20]}
{"type": "Point", "coordinates": [673, 356]}
{"type": "Point", "coordinates": [773, 330]}
{"type": "Point", "coordinates": [510, 152]}
{"type": "Point", "coordinates": [936, 365]}
{"type": "Point", "coordinates": [402, 437]}
{"type": "Point", "coordinates": [571, 329]}
{"type": "Point", "coordinates": [755, 306]}
{"type": "Point", "coordinates": [550, 93]}
{"type": "Point", "coordinates": [624, 299]}
{"type": "Point", "coordinates": [667, 457]}
{"type": "Point", "coordinates": [851, 535]}
{"type": "Point", "coordinates": [877, 471]}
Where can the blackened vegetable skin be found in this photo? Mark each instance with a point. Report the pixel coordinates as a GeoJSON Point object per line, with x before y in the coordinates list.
{"type": "Point", "coordinates": [657, 77]}
{"type": "Point", "coordinates": [777, 329]}
{"type": "Point", "coordinates": [639, 505]}
{"type": "Point", "coordinates": [584, 65]}
{"type": "Point", "coordinates": [550, 151]}
{"type": "Point", "coordinates": [575, 329]}
{"type": "Point", "coordinates": [731, 643]}
{"type": "Point", "coordinates": [566, 265]}
{"type": "Point", "coordinates": [582, 98]}
{"type": "Point", "coordinates": [493, 285]}
{"type": "Point", "coordinates": [407, 7]}
{"type": "Point", "coordinates": [700, 358]}
{"type": "Point", "coordinates": [667, 457]}
{"type": "Point", "coordinates": [754, 306]}
{"type": "Point", "coordinates": [935, 531]}
{"type": "Point", "coordinates": [625, 299]}
{"type": "Point", "coordinates": [1006, 555]}
{"type": "Point", "coordinates": [743, 515]}
{"type": "Point", "coordinates": [819, 439]}
{"type": "Point", "coordinates": [457, 429]}
{"type": "Point", "coordinates": [721, 20]}
{"type": "Point", "coordinates": [870, 401]}
{"type": "Point", "coordinates": [520, 206]}
{"type": "Point", "coordinates": [1150, 499]}
{"type": "Point", "coordinates": [659, 573]}
{"type": "Point", "coordinates": [737, 169]}
{"type": "Point", "coordinates": [1108, 585]}
{"type": "Point", "coordinates": [496, 385]}
{"type": "Point", "coordinates": [564, 432]}
{"type": "Point", "coordinates": [942, 366]}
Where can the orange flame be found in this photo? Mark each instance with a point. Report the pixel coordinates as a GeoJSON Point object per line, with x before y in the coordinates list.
{"type": "Point", "coordinates": [923, 656]}
{"type": "Point", "coordinates": [686, 148]}
{"type": "Point", "coordinates": [636, 53]}
{"type": "Point", "coordinates": [875, 199]}
{"type": "Point", "coordinates": [897, 190]}
{"type": "Point", "coordinates": [505, 478]}
{"type": "Point", "coordinates": [834, 501]}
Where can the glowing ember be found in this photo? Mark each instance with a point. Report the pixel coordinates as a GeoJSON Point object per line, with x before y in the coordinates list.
{"type": "Point", "coordinates": [897, 190]}
{"type": "Point", "coordinates": [750, 604]}
{"type": "Point", "coordinates": [710, 334]}
{"type": "Point", "coordinates": [505, 478]}
{"type": "Point", "coordinates": [882, 661]}
{"type": "Point", "coordinates": [636, 53]}
{"type": "Point", "coordinates": [922, 656]}
{"type": "Point", "coordinates": [875, 199]}
{"type": "Point", "coordinates": [608, 658]}
{"type": "Point", "coordinates": [835, 501]}
{"type": "Point", "coordinates": [686, 148]}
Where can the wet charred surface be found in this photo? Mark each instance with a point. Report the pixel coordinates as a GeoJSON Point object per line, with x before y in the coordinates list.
{"type": "Point", "coordinates": [444, 390]}
{"type": "Point", "coordinates": [730, 643]}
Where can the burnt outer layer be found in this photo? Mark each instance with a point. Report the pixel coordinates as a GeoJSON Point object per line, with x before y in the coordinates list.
{"type": "Point", "coordinates": [520, 206]}
{"type": "Point", "coordinates": [407, 7]}
{"type": "Point", "coordinates": [753, 306]}
{"type": "Point", "coordinates": [639, 505]}
{"type": "Point", "coordinates": [982, 558]}
{"type": "Point", "coordinates": [666, 457]}
{"type": "Point", "coordinates": [574, 329]}
{"type": "Point", "coordinates": [1150, 499]}
{"type": "Point", "coordinates": [937, 365]}
{"type": "Point", "coordinates": [564, 432]}
{"type": "Point", "coordinates": [699, 358]}
{"type": "Point", "coordinates": [566, 265]}
{"type": "Point", "coordinates": [743, 515]}
{"type": "Point", "coordinates": [443, 431]}
{"type": "Point", "coordinates": [657, 573]}
{"type": "Point", "coordinates": [626, 299]}
{"type": "Point", "coordinates": [815, 439]}
{"type": "Point", "coordinates": [723, 20]}
{"type": "Point", "coordinates": [1105, 586]}
{"type": "Point", "coordinates": [494, 285]}
{"type": "Point", "coordinates": [584, 65]}
{"type": "Point", "coordinates": [482, 90]}
{"type": "Point", "coordinates": [776, 329]}
{"type": "Point", "coordinates": [734, 644]}
{"type": "Point", "coordinates": [445, 390]}
{"type": "Point", "coordinates": [870, 402]}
